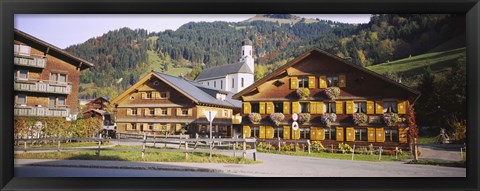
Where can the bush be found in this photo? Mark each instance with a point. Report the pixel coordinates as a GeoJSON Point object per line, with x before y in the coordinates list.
{"type": "Point", "coordinates": [332, 92]}
{"type": "Point", "coordinates": [343, 147]}
{"type": "Point", "coordinates": [265, 146]}
{"type": "Point", "coordinates": [303, 93]}
{"type": "Point", "coordinates": [317, 146]}
{"type": "Point", "coordinates": [254, 117]}
{"type": "Point", "coordinates": [460, 129]}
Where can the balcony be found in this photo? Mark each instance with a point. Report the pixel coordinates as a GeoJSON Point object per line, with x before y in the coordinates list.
{"type": "Point", "coordinates": [41, 111]}
{"type": "Point", "coordinates": [42, 87]}
{"type": "Point", "coordinates": [30, 61]}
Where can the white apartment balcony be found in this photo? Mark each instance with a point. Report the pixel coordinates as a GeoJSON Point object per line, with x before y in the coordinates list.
{"type": "Point", "coordinates": [30, 61]}
{"type": "Point", "coordinates": [30, 85]}
{"type": "Point", "coordinates": [41, 111]}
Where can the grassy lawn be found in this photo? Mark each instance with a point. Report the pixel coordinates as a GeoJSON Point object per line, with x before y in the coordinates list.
{"type": "Point", "coordinates": [461, 164]}
{"type": "Point", "coordinates": [428, 140]}
{"type": "Point", "coordinates": [153, 155]}
{"type": "Point", "coordinates": [358, 157]}
{"type": "Point", "coordinates": [62, 145]}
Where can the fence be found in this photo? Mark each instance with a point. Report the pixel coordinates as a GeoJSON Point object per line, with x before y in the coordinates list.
{"type": "Point", "coordinates": [183, 143]}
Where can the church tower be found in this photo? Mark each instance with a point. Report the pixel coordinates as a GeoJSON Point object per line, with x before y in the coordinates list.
{"type": "Point", "coordinates": [247, 53]}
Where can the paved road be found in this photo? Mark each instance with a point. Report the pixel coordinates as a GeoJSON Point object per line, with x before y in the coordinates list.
{"type": "Point", "coordinates": [449, 152]}
{"type": "Point", "coordinates": [272, 166]}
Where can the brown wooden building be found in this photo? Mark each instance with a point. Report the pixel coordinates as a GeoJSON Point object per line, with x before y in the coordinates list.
{"type": "Point", "coordinates": [98, 103]}
{"type": "Point", "coordinates": [361, 91]}
{"type": "Point", "coordinates": [46, 78]}
{"type": "Point", "coordinates": [160, 104]}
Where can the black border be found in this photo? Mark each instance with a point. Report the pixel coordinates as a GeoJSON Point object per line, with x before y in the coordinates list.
{"type": "Point", "coordinates": [10, 7]}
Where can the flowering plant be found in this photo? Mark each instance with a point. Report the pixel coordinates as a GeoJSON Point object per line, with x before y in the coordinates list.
{"type": "Point", "coordinates": [390, 118]}
{"type": "Point", "coordinates": [304, 118]}
{"type": "Point", "coordinates": [359, 118]}
{"type": "Point", "coordinates": [332, 92]}
{"type": "Point", "coordinates": [277, 118]}
{"type": "Point", "coordinates": [303, 93]}
{"type": "Point", "coordinates": [329, 118]}
{"type": "Point", "coordinates": [254, 117]}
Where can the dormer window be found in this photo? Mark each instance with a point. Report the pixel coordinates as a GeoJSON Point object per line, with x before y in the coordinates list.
{"type": "Point", "coordinates": [221, 96]}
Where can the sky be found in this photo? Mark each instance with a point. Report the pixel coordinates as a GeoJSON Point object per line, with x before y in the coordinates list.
{"type": "Point", "coordinates": [63, 30]}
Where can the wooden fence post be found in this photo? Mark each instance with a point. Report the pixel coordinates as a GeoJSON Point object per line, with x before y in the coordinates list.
{"type": "Point", "coordinates": [308, 145]}
{"type": "Point", "coordinates": [380, 153]}
{"type": "Point", "coordinates": [279, 144]}
{"type": "Point", "coordinates": [143, 145]}
{"type": "Point", "coordinates": [118, 138]}
{"type": "Point", "coordinates": [25, 146]}
{"type": "Point", "coordinates": [255, 152]}
{"type": "Point", "coordinates": [99, 145]}
{"type": "Point", "coordinates": [58, 146]}
{"type": "Point", "coordinates": [353, 152]}
{"type": "Point", "coordinates": [154, 139]}
{"type": "Point", "coordinates": [234, 149]}
{"type": "Point", "coordinates": [415, 148]}
{"type": "Point", "coordinates": [186, 148]}
{"type": "Point", "coordinates": [396, 152]}
{"type": "Point", "coordinates": [244, 147]}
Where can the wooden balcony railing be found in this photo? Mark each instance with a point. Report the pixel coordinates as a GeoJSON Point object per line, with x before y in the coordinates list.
{"type": "Point", "coordinates": [30, 61]}
{"type": "Point", "coordinates": [41, 111]}
{"type": "Point", "coordinates": [43, 87]}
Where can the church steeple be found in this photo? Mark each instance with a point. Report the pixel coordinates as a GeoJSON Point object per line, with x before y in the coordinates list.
{"type": "Point", "coordinates": [247, 52]}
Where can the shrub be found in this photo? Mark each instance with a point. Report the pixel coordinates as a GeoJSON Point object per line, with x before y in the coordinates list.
{"type": "Point", "coordinates": [390, 118]}
{"type": "Point", "coordinates": [329, 118]}
{"type": "Point", "coordinates": [304, 118]}
{"type": "Point", "coordinates": [277, 118]}
{"type": "Point", "coordinates": [303, 93]}
{"type": "Point", "coordinates": [332, 92]}
{"type": "Point", "coordinates": [460, 129]}
{"type": "Point", "coordinates": [343, 147]}
{"type": "Point", "coordinates": [317, 146]}
{"type": "Point", "coordinates": [254, 117]}
{"type": "Point", "coordinates": [265, 146]}
{"type": "Point", "coordinates": [359, 118]}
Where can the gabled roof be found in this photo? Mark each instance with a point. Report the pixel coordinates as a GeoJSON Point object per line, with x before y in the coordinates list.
{"type": "Point", "coordinates": [306, 54]}
{"type": "Point", "coordinates": [101, 97]}
{"type": "Point", "coordinates": [219, 71]}
{"type": "Point", "coordinates": [52, 50]}
{"type": "Point", "coordinates": [195, 91]}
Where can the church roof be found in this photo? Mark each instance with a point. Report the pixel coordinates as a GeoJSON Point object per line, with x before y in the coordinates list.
{"type": "Point", "coordinates": [221, 71]}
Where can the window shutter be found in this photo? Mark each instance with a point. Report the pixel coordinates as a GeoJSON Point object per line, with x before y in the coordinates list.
{"type": "Point", "coordinates": [139, 126]}
{"type": "Point", "coordinates": [320, 134]}
{"type": "Point", "coordinates": [178, 127]}
{"type": "Point", "coordinates": [380, 135]}
{"type": "Point", "coordinates": [270, 132]}
{"type": "Point", "coordinates": [342, 81]}
{"type": "Point", "coordinates": [402, 107]}
{"type": "Point", "coordinates": [349, 107]}
{"type": "Point", "coordinates": [145, 127]}
{"type": "Point", "coordinates": [147, 112]}
{"type": "Point", "coordinates": [129, 126]}
{"type": "Point", "coordinates": [158, 111]}
{"type": "Point", "coordinates": [370, 107]}
{"type": "Point", "coordinates": [169, 111]}
{"type": "Point", "coordinates": [246, 131]}
{"type": "Point", "coordinates": [297, 134]}
{"type": "Point", "coordinates": [156, 127]}
{"type": "Point", "coordinates": [179, 111]}
{"type": "Point", "coordinates": [311, 82]}
{"type": "Point", "coordinates": [129, 111]}
{"type": "Point", "coordinates": [378, 107]}
{"type": "Point", "coordinates": [371, 134]}
{"type": "Point", "coordinates": [261, 132]}
{"type": "Point", "coordinates": [322, 82]}
{"type": "Point", "coordinates": [157, 95]}
{"type": "Point", "coordinates": [338, 107]}
{"type": "Point", "coordinates": [313, 107]}
{"type": "Point", "coordinates": [320, 106]}
{"type": "Point", "coordinates": [402, 135]}
{"type": "Point", "coordinates": [339, 133]}
{"type": "Point", "coordinates": [296, 107]}
{"type": "Point", "coordinates": [247, 108]}
{"type": "Point", "coordinates": [190, 112]}
{"type": "Point", "coordinates": [270, 108]}
{"type": "Point", "coordinates": [168, 95]}
{"type": "Point", "coordinates": [313, 133]}
{"type": "Point", "coordinates": [350, 134]}
{"type": "Point", "coordinates": [262, 107]}
{"type": "Point", "coordinates": [293, 83]}
{"type": "Point", "coordinates": [144, 95]}
{"type": "Point", "coordinates": [286, 107]}
{"type": "Point", "coordinates": [286, 132]}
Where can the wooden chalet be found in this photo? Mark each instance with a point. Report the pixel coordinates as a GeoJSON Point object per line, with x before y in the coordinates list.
{"type": "Point", "coordinates": [163, 104]}
{"type": "Point", "coordinates": [46, 78]}
{"type": "Point", "coordinates": [361, 91]}
{"type": "Point", "coordinates": [98, 103]}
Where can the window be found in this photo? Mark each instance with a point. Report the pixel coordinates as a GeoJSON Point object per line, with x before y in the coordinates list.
{"type": "Point", "coordinates": [163, 95]}
{"type": "Point", "coordinates": [149, 95]}
{"type": "Point", "coordinates": [134, 111]}
{"type": "Point", "coordinates": [360, 107]}
{"type": "Point", "coordinates": [58, 78]}
{"type": "Point", "coordinates": [208, 83]}
{"type": "Point", "coordinates": [390, 106]}
{"type": "Point", "coordinates": [164, 111]}
{"type": "Point", "coordinates": [305, 107]}
{"type": "Point", "coordinates": [221, 84]}
{"type": "Point", "coordinates": [134, 126]}
{"type": "Point", "coordinates": [21, 99]}
{"type": "Point", "coordinates": [61, 101]}
{"type": "Point", "coordinates": [56, 101]}
{"type": "Point", "coordinates": [132, 97]}
{"type": "Point", "coordinates": [391, 135]}
{"type": "Point", "coordinates": [21, 50]}
{"type": "Point", "coordinates": [332, 81]}
{"type": "Point", "coordinates": [255, 107]}
{"type": "Point", "coordinates": [243, 82]}
{"type": "Point", "coordinates": [361, 134]}
{"type": "Point", "coordinates": [184, 112]}
{"type": "Point", "coordinates": [330, 107]}
{"type": "Point", "coordinates": [214, 84]}
{"type": "Point", "coordinates": [22, 74]}
{"type": "Point", "coordinates": [233, 82]}
{"type": "Point", "coordinates": [330, 133]}
{"type": "Point", "coordinates": [225, 113]}
{"type": "Point", "coordinates": [303, 82]}
{"type": "Point", "coordinates": [51, 102]}
{"type": "Point", "coordinates": [278, 107]}
{"type": "Point", "coordinates": [304, 133]}
{"type": "Point", "coordinates": [255, 131]}
{"type": "Point", "coordinates": [152, 111]}
{"type": "Point", "coordinates": [279, 132]}
{"type": "Point", "coordinates": [150, 126]}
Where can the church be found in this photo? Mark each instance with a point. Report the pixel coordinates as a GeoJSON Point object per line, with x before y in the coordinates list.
{"type": "Point", "coordinates": [231, 77]}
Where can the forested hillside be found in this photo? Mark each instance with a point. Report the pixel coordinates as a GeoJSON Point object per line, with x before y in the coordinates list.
{"type": "Point", "coordinates": [122, 56]}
